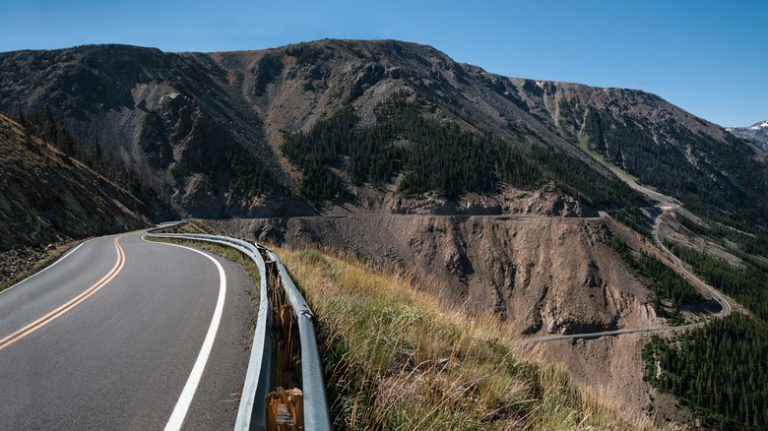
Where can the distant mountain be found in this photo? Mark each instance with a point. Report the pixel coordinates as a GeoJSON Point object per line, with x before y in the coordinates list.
{"type": "Point", "coordinates": [304, 127]}
{"type": "Point", "coordinates": [757, 133]}
{"type": "Point", "coordinates": [47, 196]}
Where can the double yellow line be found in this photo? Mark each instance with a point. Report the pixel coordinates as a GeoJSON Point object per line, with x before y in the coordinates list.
{"type": "Point", "coordinates": [72, 303]}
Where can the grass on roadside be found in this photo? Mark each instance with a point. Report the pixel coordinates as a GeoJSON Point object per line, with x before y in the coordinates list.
{"type": "Point", "coordinates": [396, 358]}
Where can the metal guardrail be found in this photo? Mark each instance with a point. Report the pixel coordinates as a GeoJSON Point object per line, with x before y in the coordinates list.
{"type": "Point", "coordinates": [316, 415]}
{"type": "Point", "coordinates": [251, 414]}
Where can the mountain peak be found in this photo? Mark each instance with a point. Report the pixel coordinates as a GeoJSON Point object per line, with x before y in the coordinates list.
{"type": "Point", "coordinates": [757, 133]}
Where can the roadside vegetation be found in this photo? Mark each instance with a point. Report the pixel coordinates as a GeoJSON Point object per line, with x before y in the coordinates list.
{"type": "Point", "coordinates": [670, 291]}
{"type": "Point", "coordinates": [396, 358]}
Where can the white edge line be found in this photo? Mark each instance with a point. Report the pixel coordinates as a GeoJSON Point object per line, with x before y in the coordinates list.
{"type": "Point", "coordinates": [187, 394]}
{"type": "Point", "coordinates": [46, 268]}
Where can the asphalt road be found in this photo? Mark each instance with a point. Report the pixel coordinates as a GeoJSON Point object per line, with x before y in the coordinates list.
{"type": "Point", "coordinates": [664, 204]}
{"type": "Point", "coordinates": [125, 334]}
{"type": "Point", "coordinates": [725, 305]}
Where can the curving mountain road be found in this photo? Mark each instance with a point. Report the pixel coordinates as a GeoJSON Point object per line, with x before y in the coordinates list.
{"type": "Point", "coordinates": [725, 306]}
{"type": "Point", "coordinates": [664, 204]}
{"type": "Point", "coordinates": [126, 334]}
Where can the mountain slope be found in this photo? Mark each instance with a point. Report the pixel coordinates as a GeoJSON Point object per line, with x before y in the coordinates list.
{"type": "Point", "coordinates": [710, 171]}
{"type": "Point", "coordinates": [757, 133]}
{"type": "Point", "coordinates": [46, 196]}
{"type": "Point", "coordinates": [168, 119]}
{"type": "Point", "coordinates": [393, 136]}
{"type": "Point", "coordinates": [206, 132]}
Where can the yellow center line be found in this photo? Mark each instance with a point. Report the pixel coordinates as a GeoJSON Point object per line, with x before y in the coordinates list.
{"type": "Point", "coordinates": [72, 303]}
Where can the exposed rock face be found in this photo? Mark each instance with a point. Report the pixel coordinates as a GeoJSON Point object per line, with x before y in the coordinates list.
{"type": "Point", "coordinates": [203, 131]}
{"type": "Point", "coordinates": [546, 202]}
{"type": "Point", "coordinates": [543, 274]}
{"type": "Point", "coordinates": [47, 196]}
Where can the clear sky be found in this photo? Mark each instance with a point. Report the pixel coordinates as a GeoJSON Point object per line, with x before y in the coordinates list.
{"type": "Point", "coordinates": [709, 57]}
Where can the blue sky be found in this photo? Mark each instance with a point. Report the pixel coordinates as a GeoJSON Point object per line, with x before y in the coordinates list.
{"type": "Point", "coordinates": [711, 58]}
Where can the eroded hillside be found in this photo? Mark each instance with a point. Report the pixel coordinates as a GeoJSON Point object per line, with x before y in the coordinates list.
{"type": "Point", "coordinates": [541, 274]}
{"type": "Point", "coordinates": [47, 196]}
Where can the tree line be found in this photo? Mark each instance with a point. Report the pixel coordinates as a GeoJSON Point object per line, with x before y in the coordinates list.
{"type": "Point", "coordinates": [719, 370]}
{"type": "Point", "coordinates": [443, 158]}
{"type": "Point", "coordinates": [748, 284]}
{"type": "Point", "coordinates": [670, 291]}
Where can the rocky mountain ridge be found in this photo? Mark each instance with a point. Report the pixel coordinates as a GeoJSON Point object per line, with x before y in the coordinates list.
{"type": "Point", "coordinates": [205, 134]}
{"type": "Point", "coordinates": [757, 133]}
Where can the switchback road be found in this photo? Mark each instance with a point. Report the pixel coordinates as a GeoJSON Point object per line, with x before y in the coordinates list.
{"type": "Point", "coordinates": [664, 204]}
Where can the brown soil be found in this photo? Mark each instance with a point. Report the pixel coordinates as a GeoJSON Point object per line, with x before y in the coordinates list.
{"type": "Point", "coordinates": [542, 274]}
{"type": "Point", "coordinates": [611, 366]}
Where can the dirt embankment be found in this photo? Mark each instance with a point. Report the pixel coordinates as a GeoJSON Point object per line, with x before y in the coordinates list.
{"type": "Point", "coordinates": [542, 274]}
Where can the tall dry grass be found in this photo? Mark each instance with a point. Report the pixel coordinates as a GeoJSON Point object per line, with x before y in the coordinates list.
{"type": "Point", "coordinates": [397, 358]}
